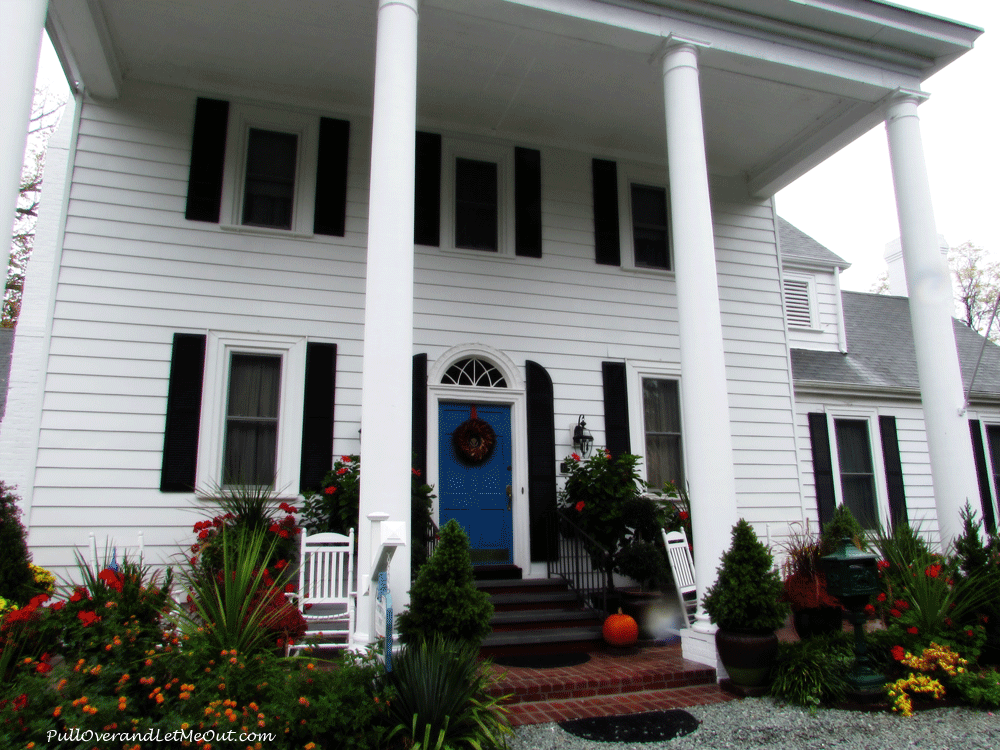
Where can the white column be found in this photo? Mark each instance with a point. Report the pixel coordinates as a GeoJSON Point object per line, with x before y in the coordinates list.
{"type": "Point", "coordinates": [386, 382]}
{"type": "Point", "coordinates": [20, 42]}
{"type": "Point", "coordinates": [708, 445]}
{"type": "Point", "coordinates": [931, 307]}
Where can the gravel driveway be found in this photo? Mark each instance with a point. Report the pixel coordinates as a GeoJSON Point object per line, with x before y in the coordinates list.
{"type": "Point", "coordinates": [761, 723]}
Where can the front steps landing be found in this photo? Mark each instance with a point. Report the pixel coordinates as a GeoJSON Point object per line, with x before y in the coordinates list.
{"type": "Point", "coordinates": [644, 678]}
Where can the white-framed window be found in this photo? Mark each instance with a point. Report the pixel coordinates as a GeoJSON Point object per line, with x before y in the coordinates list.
{"type": "Point", "coordinates": [477, 209]}
{"type": "Point", "coordinates": [251, 419]}
{"type": "Point", "coordinates": [859, 474]}
{"type": "Point", "coordinates": [655, 425]}
{"type": "Point", "coordinates": [800, 300]}
{"type": "Point", "coordinates": [270, 175]}
{"type": "Point", "coordinates": [644, 205]}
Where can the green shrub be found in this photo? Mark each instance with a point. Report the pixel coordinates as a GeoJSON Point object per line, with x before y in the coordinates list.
{"type": "Point", "coordinates": [812, 672]}
{"type": "Point", "coordinates": [444, 599]}
{"type": "Point", "coordinates": [17, 584]}
{"type": "Point", "coordinates": [746, 596]}
{"type": "Point", "coordinates": [842, 526]}
{"type": "Point", "coordinates": [980, 689]}
{"type": "Point", "coordinates": [441, 698]}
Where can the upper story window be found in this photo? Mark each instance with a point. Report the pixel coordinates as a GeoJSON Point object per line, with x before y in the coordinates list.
{"type": "Point", "coordinates": [650, 230]}
{"type": "Point", "coordinates": [476, 204]}
{"type": "Point", "coordinates": [269, 191]}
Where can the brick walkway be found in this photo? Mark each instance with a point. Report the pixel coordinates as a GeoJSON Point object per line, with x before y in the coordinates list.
{"type": "Point", "coordinates": [646, 678]}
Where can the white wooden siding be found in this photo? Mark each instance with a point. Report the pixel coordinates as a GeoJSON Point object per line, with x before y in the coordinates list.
{"type": "Point", "coordinates": [134, 272]}
{"type": "Point", "coordinates": [824, 334]}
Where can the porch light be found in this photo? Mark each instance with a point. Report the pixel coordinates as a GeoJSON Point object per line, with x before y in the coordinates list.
{"type": "Point", "coordinates": [583, 441]}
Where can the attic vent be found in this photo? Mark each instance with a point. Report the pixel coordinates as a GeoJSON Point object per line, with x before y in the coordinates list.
{"type": "Point", "coordinates": [473, 371]}
{"type": "Point", "coordinates": [798, 311]}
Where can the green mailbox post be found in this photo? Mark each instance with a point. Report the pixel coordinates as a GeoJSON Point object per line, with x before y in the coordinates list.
{"type": "Point", "coordinates": [852, 577]}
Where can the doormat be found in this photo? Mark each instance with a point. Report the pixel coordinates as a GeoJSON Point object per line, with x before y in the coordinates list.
{"type": "Point", "coordinates": [544, 661]}
{"type": "Point", "coordinates": [654, 726]}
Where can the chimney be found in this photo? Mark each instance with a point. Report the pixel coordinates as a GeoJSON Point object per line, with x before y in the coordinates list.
{"type": "Point", "coordinates": [894, 259]}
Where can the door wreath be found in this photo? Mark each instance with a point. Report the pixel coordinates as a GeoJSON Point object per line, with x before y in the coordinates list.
{"type": "Point", "coordinates": [474, 440]}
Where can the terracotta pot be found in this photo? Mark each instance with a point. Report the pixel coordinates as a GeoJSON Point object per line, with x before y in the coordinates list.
{"type": "Point", "coordinates": [810, 621]}
{"type": "Point", "coordinates": [747, 657]}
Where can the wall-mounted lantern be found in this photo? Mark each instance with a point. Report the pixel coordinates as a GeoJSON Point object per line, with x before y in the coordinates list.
{"type": "Point", "coordinates": [583, 441]}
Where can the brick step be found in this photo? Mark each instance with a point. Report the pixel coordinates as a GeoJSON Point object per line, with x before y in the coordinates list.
{"type": "Point", "coordinates": [585, 707]}
{"type": "Point", "coordinates": [542, 641]}
{"type": "Point", "coordinates": [531, 619]}
{"type": "Point", "coordinates": [533, 600]}
{"type": "Point", "coordinates": [519, 586]}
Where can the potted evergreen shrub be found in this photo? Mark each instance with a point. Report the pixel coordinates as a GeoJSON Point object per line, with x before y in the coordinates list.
{"type": "Point", "coordinates": [745, 602]}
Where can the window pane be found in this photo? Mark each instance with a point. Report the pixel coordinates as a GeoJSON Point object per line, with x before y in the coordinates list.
{"type": "Point", "coordinates": [649, 226]}
{"type": "Point", "coordinates": [252, 419]}
{"type": "Point", "coordinates": [270, 181]}
{"type": "Point", "coordinates": [857, 475]}
{"type": "Point", "coordinates": [475, 205]}
{"type": "Point", "coordinates": [662, 423]}
{"type": "Point", "coordinates": [993, 438]}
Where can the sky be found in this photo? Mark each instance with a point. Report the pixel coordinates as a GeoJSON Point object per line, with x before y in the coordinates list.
{"type": "Point", "coordinates": [847, 203]}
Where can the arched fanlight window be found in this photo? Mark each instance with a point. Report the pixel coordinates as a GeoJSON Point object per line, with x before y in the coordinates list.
{"type": "Point", "coordinates": [472, 371]}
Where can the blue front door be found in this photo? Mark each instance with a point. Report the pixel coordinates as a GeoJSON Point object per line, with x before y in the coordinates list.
{"type": "Point", "coordinates": [476, 490]}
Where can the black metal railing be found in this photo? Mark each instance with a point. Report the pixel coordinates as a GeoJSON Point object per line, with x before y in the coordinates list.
{"type": "Point", "coordinates": [579, 560]}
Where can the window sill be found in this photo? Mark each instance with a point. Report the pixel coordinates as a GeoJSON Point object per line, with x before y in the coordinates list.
{"type": "Point", "coordinates": [266, 232]}
{"type": "Point", "coordinates": [643, 271]}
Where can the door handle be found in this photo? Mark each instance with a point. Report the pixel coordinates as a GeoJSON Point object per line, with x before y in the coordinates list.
{"type": "Point", "coordinates": [510, 497]}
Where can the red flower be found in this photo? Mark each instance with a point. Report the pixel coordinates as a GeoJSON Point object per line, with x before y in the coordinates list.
{"type": "Point", "coordinates": [280, 565]}
{"type": "Point", "coordinates": [684, 515]}
{"type": "Point", "coordinates": [112, 579]}
{"type": "Point", "coordinates": [329, 490]}
{"type": "Point", "coordinates": [947, 621]}
{"type": "Point", "coordinates": [969, 633]}
{"type": "Point", "coordinates": [57, 606]}
{"type": "Point", "coordinates": [883, 564]}
{"type": "Point", "coordinates": [287, 508]}
{"type": "Point", "coordinates": [869, 610]}
{"type": "Point", "coordinates": [932, 571]}
{"type": "Point", "coordinates": [416, 472]}
{"type": "Point", "coordinates": [203, 534]}
{"type": "Point", "coordinates": [895, 613]}
{"type": "Point", "coordinates": [345, 459]}
{"type": "Point", "coordinates": [341, 471]}
{"type": "Point", "coordinates": [274, 528]}
{"type": "Point", "coordinates": [88, 618]}
{"type": "Point", "coordinates": [912, 630]}
{"type": "Point", "coordinates": [575, 457]}
{"type": "Point", "coordinates": [900, 604]}
{"type": "Point", "coordinates": [37, 601]}
{"type": "Point", "coordinates": [580, 506]}
{"type": "Point", "coordinates": [880, 597]}
{"type": "Point", "coordinates": [898, 652]}
{"type": "Point", "coordinates": [79, 593]}
{"type": "Point", "coordinates": [20, 701]}
{"type": "Point", "coordinates": [289, 588]}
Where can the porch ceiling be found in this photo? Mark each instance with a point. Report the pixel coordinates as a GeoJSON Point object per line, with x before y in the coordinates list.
{"type": "Point", "coordinates": [778, 96]}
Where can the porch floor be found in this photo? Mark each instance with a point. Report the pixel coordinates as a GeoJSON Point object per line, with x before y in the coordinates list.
{"type": "Point", "coordinates": [644, 678]}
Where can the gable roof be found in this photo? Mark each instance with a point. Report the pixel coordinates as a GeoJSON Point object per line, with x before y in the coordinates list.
{"type": "Point", "coordinates": [796, 245]}
{"type": "Point", "coordinates": [880, 351]}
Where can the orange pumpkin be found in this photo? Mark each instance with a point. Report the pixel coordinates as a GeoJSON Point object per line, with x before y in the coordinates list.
{"type": "Point", "coordinates": [620, 630]}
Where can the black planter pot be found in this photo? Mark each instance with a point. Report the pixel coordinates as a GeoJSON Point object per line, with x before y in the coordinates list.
{"type": "Point", "coordinates": [747, 657]}
{"type": "Point", "coordinates": [812, 621]}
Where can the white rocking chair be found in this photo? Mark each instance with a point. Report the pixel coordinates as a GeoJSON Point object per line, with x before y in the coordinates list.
{"type": "Point", "coordinates": [326, 587]}
{"type": "Point", "coordinates": [682, 567]}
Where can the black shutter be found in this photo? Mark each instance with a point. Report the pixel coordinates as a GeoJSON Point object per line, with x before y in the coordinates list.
{"type": "Point", "coordinates": [317, 415]}
{"type": "Point", "coordinates": [819, 440]}
{"type": "Point", "coordinates": [180, 434]}
{"type": "Point", "coordinates": [983, 476]}
{"type": "Point", "coordinates": [528, 202]}
{"type": "Point", "coordinates": [541, 463]}
{"type": "Point", "coordinates": [427, 190]}
{"type": "Point", "coordinates": [616, 433]}
{"type": "Point", "coordinates": [208, 155]}
{"type": "Point", "coordinates": [331, 177]}
{"type": "Point", "coordinates": [420, 414]}
{"type": "Point", "coordinates": [893, 470]}
{"type": "Point", "coordinates": [606, 237]}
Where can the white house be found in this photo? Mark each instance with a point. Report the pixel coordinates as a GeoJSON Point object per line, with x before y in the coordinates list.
{"type": "Point", "coordinates": [292, 231]}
